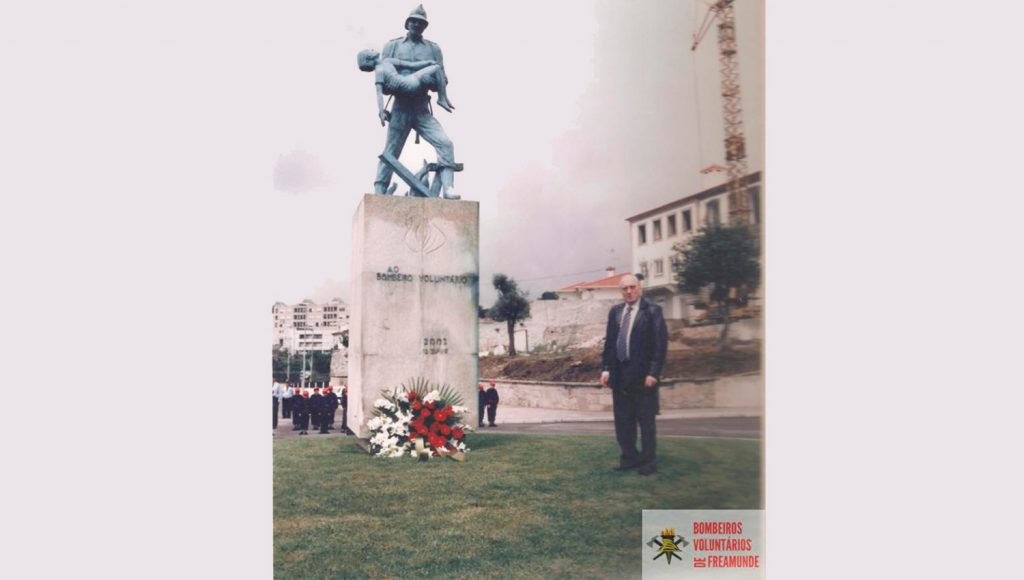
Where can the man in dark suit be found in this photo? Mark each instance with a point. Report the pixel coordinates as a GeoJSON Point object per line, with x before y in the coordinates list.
{"type": "Point", "coordinates": [636, 341]}
{"type": "Point", "coordinates": [492, 403]}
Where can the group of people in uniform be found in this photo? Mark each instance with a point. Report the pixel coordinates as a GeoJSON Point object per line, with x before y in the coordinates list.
{"type": "Point", "coordinates": [318, 407]}
{"type": "Point", "coordinates": [487, 400]}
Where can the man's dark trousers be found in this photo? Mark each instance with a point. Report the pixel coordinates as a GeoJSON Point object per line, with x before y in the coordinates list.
{"type": "Point", "coordinates": [631, 407]}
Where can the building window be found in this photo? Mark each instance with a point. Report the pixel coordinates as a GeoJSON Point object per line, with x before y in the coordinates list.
{"type": "Point", "coordinates": [687, 221]}
{"type": "Point", "coordinates": [657, 230]}
{"type": "Point", "coordinates": [641, 234]}
{"type": "Point", "coordinates": [659, 268]}
{"type": "Point", "coordinates": [643, 270]}
{"type": "Point", "coordinates": [671, 225]}
{"type": "Point", "coordinates": [712, 216]}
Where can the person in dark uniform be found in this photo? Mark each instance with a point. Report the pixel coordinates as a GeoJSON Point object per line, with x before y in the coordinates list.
{"type": "Point", "coordinates": [330, 406]}
{"type": "Point", "coordinates": [343, 403]}
{"type": "Point", "coordinates": [300, 411]}
{"type": "Point", "coordinates": [316, 407]}
{"type": "Point", "coordinates": [277, 397]}
{"type": "Point", "coordinates": [481, 404]}
{"type": "Point", "coordinates": [635, 345]}
{"type": "Point", "coordinates": [286, 401]}
{"type": "Point", "coordinates": [492, 403]}
{"type": "Point", "coordinates": [296, 395]}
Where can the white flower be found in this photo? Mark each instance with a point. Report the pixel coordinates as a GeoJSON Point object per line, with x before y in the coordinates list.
{"type": "Point", "coordinates": [431, 396]}
{"type": "Point", "coordinates": [459, 409]}
{"type": "Point", "coordinates": [374, 423]}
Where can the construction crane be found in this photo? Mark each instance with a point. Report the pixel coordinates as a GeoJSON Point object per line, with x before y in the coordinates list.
{"type": "Point", "coordinates": [732, 107]}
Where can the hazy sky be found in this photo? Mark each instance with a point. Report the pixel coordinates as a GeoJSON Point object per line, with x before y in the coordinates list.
{"type": "Point", "coordinates": [570, 116]}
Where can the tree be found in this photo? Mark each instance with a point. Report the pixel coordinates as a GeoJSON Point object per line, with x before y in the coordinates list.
{"type": "Point", "coordinates": [287, 366]}
{"type": "Point", "coordinates": [724, 257]}
{"type": "Point", "coordinates": [549, 295]}
{"type": "Point", "coordinates": [512, 306]}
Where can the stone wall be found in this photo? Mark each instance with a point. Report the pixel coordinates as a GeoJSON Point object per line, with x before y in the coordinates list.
{"type": "Point", "coordinates": [725, 392]}
{"type": "Point", "coordinates": [556, 325]}
{"type": "Point", "coordinates": [553, 325]}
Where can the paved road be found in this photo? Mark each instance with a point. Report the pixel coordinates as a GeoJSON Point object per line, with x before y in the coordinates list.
{"type": "Point", "coordinates": [737, 427]}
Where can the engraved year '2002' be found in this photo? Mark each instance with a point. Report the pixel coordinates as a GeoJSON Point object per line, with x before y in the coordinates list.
{"type": "Point", "coordinates": [435, 346]}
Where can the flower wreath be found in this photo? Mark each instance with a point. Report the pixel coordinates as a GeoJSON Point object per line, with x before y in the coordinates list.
{"type": "Point", "coordinates": [408, 422]}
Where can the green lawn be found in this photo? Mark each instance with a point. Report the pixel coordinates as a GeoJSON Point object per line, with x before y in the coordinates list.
{"type": "Point", "coordinates": [521, 506]}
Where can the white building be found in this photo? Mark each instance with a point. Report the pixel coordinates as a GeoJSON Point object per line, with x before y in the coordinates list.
{"type": "Point", "coordinates": [655, 233]}
{"type": "Point", "coordinates": [309, 326]}
{"type": "Point", "coordinates": [606, 288]}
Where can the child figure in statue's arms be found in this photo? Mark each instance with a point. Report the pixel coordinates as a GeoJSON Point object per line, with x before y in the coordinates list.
{"type": "Point", "coordinates": [426, 75]}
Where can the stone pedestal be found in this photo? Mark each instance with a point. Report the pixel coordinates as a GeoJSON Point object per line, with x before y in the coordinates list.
{"type": "Point", "coordinates": [415, 290]}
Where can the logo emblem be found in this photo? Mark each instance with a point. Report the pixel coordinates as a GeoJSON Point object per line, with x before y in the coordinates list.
{"type": "Point", "coordinates": [667, 544]}
{"type": "Point", "coordinates": [423, 237]}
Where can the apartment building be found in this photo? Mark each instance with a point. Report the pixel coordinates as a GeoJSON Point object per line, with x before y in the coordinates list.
{"type": "Point", "coordinates": [655, 233]}
{"type": "Point", "coordinates": [309, 326]}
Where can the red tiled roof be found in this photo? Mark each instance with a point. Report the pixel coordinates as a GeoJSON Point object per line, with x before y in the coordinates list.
{"type": "Point", "coordinates": [606, 282]}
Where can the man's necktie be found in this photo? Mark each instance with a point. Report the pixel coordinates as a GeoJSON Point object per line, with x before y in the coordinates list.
{"type": "Point", "coordinates": [621, 346]}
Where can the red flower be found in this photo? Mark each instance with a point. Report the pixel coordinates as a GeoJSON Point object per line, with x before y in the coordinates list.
{"type": "Point", "coordinates": [424, 413]}
{"type": "Point", "coordinates": [435, 427]}
{"type": "Point", "coordinates": [416, 405]}
{"type": "Point", "coordinates": [436, 441]}
{"type": "Point", "coordinates": [413, 395]}
{"type": "Point", "coordinates": [457, 433]}
{"type": "Point", "coordinates": [439, 416]}
{"type": "Point", "coordinates": [431, 405]}
{"type": "Point", "coordinates": [445, 429]}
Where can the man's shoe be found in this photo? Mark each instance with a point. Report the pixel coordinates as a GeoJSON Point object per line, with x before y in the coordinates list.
{"type": "Point", "coordinates": [649, 469]}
